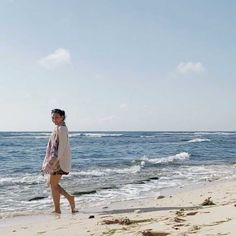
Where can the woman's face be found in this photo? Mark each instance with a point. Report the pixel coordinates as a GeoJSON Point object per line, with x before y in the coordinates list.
{"type": "Point", "coordinates": [57, 119]}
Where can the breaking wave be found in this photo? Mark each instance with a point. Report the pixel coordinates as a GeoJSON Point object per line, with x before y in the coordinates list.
{"type": "Point", "coordinates": [178, 157]}
{"type": "Point", "coordinates": [133, 169]}
{"type": "Point", "coordinates": [198, 140]}
{"type": "Point", "coordinates": [95, 135]}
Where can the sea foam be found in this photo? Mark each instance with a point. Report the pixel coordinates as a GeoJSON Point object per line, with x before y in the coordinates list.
{"type": "Point", "coordinates": [178, 157]}
{"type": "Point", "coordinates": [198, 140]}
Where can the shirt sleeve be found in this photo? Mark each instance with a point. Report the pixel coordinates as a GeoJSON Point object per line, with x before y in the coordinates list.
{"type": "Point", "coordinates": [63, 140]}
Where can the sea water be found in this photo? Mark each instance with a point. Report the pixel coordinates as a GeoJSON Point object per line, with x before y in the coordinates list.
{"type": "Point", "coordinates": [112, 166]}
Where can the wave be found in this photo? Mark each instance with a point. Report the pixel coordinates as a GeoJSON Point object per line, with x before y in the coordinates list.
{"type": "Point", "coordinates": [42, 137]}
{"type": "Point", "coordinates": [147, 136]}
{"type": "Point", "coordinates": [89, 173]}
{"type": "Point", "coordinates": [113, 187]}
{"type": "Point", "coordinates": [74, 135]}
{"type": "Point", "coordinates": [28, 179]}
{"type": "Point", "coordinates": [107, 171]}
{"type": "Point", "coordinates": [96, 135]}
{"type": "Point", "coordinates": [178, 157]}
{"type": "Point", "coordinates": [40, 134]}
{"type": "Point", "coordinates": [225, 133]}
{"type": "Point", "coordinates": [132, 169]}
{"type": "Point", "coordinates": [27, 135]}
{"type": "Point", "coordinates": [216, 133]}
{"type": "Point", "coordinates": [198, 140]}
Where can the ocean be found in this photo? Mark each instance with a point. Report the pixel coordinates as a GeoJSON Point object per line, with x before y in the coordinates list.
{"type": "Point", "coordinates": [112, 166]}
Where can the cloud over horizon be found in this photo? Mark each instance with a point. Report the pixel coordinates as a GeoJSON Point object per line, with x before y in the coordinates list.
{"type": "Point", "coordinates": [56, 59]}
{"type": "Point", "coordinates": [190, 68]}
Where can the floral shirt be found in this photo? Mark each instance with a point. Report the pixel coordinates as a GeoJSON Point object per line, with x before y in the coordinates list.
{"type": "Point", "coordinates": [58, 154]}
{"type": "Point", "coordinates": [51, 163]}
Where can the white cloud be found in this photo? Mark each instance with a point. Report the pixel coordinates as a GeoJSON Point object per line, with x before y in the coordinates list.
{"type": "Point", "coordinates": [58, 58]}
{"type": "Point", "coordinates": [123, 106]}
{"type": "Point", "coordinates": [190, 67]}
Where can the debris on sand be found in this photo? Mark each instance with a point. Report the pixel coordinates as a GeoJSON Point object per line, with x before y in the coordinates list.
{"type": "Point", "coordinates": [124, 221]}
{"type": "Point", "coordinates": [194, 229]}
{"type": "Point", "coordinates": [208, 202]}
{"type": "Point", "coordinates": [192, 213]}
{"type": "Point", "coordinates": [180, 212]}
{"type": "Point", "coordinates": [179, 225]}
{"type": "Point", "coordinates": [160, 197]}
{"type": "Point", "coordinates": [179, 220]}
{"type": "Point", "coordinates": [153, 233]}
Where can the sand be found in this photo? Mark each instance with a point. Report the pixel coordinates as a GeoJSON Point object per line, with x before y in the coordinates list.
{"type": "Point", "coordinates": [179, 214]}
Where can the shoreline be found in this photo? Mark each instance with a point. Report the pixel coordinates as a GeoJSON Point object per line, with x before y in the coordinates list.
{"type": "Point", "coordinates": [99, 207]}
{"type": "Point", "coordinates": [154, 214]}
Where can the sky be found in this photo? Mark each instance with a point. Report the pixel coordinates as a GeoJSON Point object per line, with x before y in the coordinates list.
{"type": "Point", "coordinates": [135, 65]}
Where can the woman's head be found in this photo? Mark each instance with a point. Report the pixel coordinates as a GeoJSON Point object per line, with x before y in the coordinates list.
{"type": "Point", "coordinates": [58, 116]}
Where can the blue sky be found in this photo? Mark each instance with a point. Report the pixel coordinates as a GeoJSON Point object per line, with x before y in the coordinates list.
{"type": "Point", "coordinates": [118, 65]}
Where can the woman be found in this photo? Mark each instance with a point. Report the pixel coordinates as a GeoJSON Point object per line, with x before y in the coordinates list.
{"type": "Point", "coordinates": [57, 161]}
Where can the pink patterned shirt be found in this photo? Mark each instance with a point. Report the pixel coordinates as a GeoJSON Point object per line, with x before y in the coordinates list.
{"type": "Point", "coordinates": [58, 155]}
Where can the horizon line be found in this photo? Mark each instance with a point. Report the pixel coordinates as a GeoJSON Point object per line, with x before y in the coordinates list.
{"type": "Point", "coordinates": [1, 131]}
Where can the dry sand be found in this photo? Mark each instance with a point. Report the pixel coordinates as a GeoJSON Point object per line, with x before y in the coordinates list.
{"type": "Point", "coordinates": [180, 214]}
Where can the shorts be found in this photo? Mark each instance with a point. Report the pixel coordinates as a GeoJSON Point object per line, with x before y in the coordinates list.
{"type": "Point", "coordinates": [59, 172]}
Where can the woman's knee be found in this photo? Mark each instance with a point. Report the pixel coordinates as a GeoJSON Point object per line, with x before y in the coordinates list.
{"type": "Point", "coordinates": [55, 188]}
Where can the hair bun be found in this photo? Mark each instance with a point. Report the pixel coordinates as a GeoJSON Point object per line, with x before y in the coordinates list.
{"type": "Point", "coordinates": [59, 111]}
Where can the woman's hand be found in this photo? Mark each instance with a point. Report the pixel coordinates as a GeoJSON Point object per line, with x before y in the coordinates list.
{"type": "Point", "coordinates": [51, 164]}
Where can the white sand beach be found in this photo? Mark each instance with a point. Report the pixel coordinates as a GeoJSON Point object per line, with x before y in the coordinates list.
{"type": "Point", "coordinates": [179, 214]}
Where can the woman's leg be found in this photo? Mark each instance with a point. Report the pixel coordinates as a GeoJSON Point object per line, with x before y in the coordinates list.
{"type": "Point", "coordinates": [55, 189]}
{"type": "Point", "coordinates": [70, 198]}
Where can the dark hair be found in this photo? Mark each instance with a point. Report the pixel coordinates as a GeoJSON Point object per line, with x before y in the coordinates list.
{"type": "Point", "coordinates": [59, 111]}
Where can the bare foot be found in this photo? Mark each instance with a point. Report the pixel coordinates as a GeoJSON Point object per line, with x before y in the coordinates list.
{"type": "Point", "coordinates": [56, 212]}
{"type": "Point", "coordinates": [74, 211]}
{"type": "Point", "coordinates": [72, 204]}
